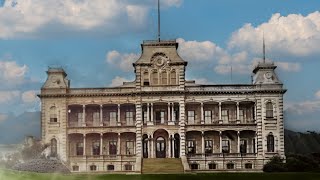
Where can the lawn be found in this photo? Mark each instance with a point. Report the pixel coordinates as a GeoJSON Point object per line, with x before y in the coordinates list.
{"type": "Point", "coordinates": [13, 175]}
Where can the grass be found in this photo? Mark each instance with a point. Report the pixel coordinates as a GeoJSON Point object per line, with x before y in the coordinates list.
{"type": "Point", "coordinates": [14, 175]}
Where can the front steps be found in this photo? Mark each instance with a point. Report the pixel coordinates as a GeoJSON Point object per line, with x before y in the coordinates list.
{"type": "Point", "coordinates": [162, 166]}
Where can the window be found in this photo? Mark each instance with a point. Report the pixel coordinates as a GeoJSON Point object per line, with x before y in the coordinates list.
{"type": "Point", "coordinates": [96, 118]}
{"type": "Point", "coordinates": [110, 167]}
{"type": "Point", "coordinates": [160, 117]}
{"type": "Point", "coordinates": [112, 147]}
{"type": "Point", "coordinates": [145, 117]}
{"type": "Point", "coordinates": [270, 143]}
{"type": "Point", "coordinates": [173, 77]}
{"type": "Point", "coordinates": [75, 168]}
{"type": "Point", "coordinates": [230, 166]}
{"type": "Point", "coordinates": [191, 147]}
{"type": "Point", "coordinates": [53, 115]}
{"type": "Point", "coordinates": [212, 166]}
{"type": "Point", "coordinates": [146, 78]}
{"type": "Point", "coordinates": [208, 146]}
{"type": "Point", "coordinates": [79, 149]}
{"type": "Point", "coordinates": [225, 115]}
{"type": "Point", "coordinates": [248, 166]}
{"type": "Point", "coordinates": [269, 110]}
{"type": "Point", "coordinates": [241, 115]}
{"type": "Point", "coordinates": [96, 148]}
{"type": "Point", "coordinates": [194, 166]}
{"type": "Point", "coordinates": [129, 147]}
{"type": "Point", "coordinates": [191, 117]}
{"type": "Point", "coordinates": [155, 77]}
{"type": "Point", "coordinates": [164, 78]}
{"type": "Point", "coordinates": [225, 146]}
{"type": "Point", "coordinates": [80, 118]}
{"type": "Point", "coordinates": [113, 118]}
{"type": "Point", "coordinates": [129, 118]}
{"type": "Point", "coordinates": [93, 168]}
{"type": "Point", "coordinates": [53, 147]}
{"type": "Point", "coordinates": [243, 146]}
{"type": "Point", "coordinates": [207, 117]}
{"type": "Point", "coordinates": [128, 167]}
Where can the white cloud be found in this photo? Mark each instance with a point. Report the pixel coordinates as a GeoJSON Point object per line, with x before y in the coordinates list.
{"type": "Point", "coordinates": [317, 94]}
{"type": "Point", "coordinates": [11, 72]}
{"type": "Point", "coordinates": [29, 96]}
{"type": "Point", "coordinates": [236, 69]}
{"type": "Point", "coordinates": [32, 18]}
{"type": "Point", "coordinates": [122, 61]}
{"type": "Point", "coordinates": [8, 96]}
{"type": "Point", "coordinates": [288, 66]}
{"type": "Point", "coordinates": [294, 34]}
{"type": "Point", "coordinates": [118, 81]}
{"type": "Point", "coordinates": [303, 107]}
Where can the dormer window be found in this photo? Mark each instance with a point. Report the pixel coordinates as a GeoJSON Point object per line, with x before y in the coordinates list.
{"type": "Point", "coordinates": [164, 78]}
{"type": "Point", "coordinates": [155, 77]}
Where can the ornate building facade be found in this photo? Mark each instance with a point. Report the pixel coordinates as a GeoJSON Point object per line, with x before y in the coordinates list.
{"type": "Point", "coordinates": [234, 127]}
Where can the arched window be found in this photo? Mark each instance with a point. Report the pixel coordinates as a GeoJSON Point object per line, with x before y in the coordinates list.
{"type": "Point", "coordinates": [53, 147]}
{"type": "Point", "coordinates": [53, 114]}
{"type": "Point", "coordinates": [173, 78]}
{"type": "Point", "coordinates": [270, 143]}
{"type": "Point", "coordinates": [164, 78]}
{"type": "Point", "coordinates": [146, 78]}
{"type": "Point", "coordinates": [155, 77]}
{"type": "Point", "coordinates": [269, 110]}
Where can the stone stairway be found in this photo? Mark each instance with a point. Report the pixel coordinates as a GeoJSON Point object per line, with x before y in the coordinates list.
{"type": "Point", "coordinates": [162, 166]}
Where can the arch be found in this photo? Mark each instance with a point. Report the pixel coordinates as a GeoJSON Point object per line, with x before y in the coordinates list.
{"type": "Point", "coordinates": [53, 114]}
{"type": "Point", "coordinates": [54, 147]}
{"type": "Point", "coordinates": [270, 142]}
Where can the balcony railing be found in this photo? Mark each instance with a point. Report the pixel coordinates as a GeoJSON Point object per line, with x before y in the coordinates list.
{"type": "Point", "coordinates": [216, 155]}
{"type": "Point", "coordinates": [104, 157]}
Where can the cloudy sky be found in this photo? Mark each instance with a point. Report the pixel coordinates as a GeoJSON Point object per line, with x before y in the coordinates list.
{"type": "Point", "coordinates": [96, 41]}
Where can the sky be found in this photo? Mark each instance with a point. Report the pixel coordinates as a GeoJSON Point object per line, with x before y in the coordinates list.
{"type": "Point", "coordinates": [96, 42]}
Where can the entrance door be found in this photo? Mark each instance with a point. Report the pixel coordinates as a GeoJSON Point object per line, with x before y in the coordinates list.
{"type": "Point", "coordinates": [145, 148]}
{"type": "Point", "coordinates": [160, 147]}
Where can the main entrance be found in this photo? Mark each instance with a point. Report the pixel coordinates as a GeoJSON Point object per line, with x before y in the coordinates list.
{"type": "Point", "coordinates": [160, 147]}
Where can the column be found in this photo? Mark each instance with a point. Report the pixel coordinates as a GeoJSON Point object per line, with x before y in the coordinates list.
{"type": "Point", "coordinates": [255, 112]}
{"type": "Point", "coordinates": [84, 144]}
{"type": "Point", "coordinates": [151, 112]}
{"type": "Point", "coordinates": [169, 146]}
{"type": "Point", "coordinates": [83, 115]}
{"type": "Point", "coordinates": [169, 119]}
{"type": "Point", "coordinates": [238, 133]}
{"type": "Point", "coordinates": [148, 112]}
{"type": "Point", "coordinates": [172, 113]}
{"type": "Point", "coordinates": [220, 136]}
{"type": "Point", "coordinates": [256, 143]}
{"type": "Point", "coordinates": [118, 145]}
{"type": "Point", "coordinates": [101, 115]}
{"type": "Point", "coordinates": [173, 146]}
{"type": "Point", "coordinates": [149, 146]}
{"type": "Point", "coordinates": [152, 144]}
{"type": "Point", "coordinates": [202, 119]}
{"type": "Point", "coordinates": [202, 143]}
{"type": "Point", "coordinates": [101, 143]}
{"type": "Point", "coordinates": [220, 117]}
{"type": "Point", "coordinates": [238, 114]}
{"type": "Point", "coordinates": [118, 117]}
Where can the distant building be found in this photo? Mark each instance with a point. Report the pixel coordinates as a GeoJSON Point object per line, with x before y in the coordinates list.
{"type": "Point", "coordinates": [162, 115]}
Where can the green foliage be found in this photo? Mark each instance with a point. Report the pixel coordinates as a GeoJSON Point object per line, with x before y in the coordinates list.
{"type": "Point", "coordinates": [276, 164]}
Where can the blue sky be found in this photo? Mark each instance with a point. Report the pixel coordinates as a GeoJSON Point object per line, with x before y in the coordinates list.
{"type": "Point", "coordinates": [96, 41]}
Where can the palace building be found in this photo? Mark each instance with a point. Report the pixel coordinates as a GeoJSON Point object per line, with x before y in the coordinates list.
{"type": "Point", "coordinates": [161, 115]}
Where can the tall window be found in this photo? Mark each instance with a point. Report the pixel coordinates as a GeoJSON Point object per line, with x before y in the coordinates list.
{"type": "Point", "coordinates": [208, 146]}
{"type": "Point", "coordinates": [96, 148]}
{"type": "Point", "coordinates": [243, 146]}
{"type": "Point", "coordinates": [129, 147]}
{"type": "Point", "coordinates": [155, 77]}
{"type": "Point", "coordinates": [96, 118]}
{"type": "Point", "coordinates": [129, 118]}
{"type": "Point", "coordinates": [173, 78]}
{"type": "Point", "coordinates": [164, 78]}
{"type": "Point", "coordinates": [241, 115]}
{"type": "Point", "coordinates": [79, 149]}
{"type": "Point", "coordinates": [225, 115]}
{"type": "Point", "coordinates": [191, 147]}
{"type": "Point", "coordinates": [207, 117]}
{"type": "Point", "coordinates": [54, 147]}
{"type": "Point", "coordinates": [160, 115]}
{"type": "Point", "coordinates": [270, 143]}
{"type": "Point", "coordinates": [191, 117]}
{"type": "Point", "coordinates": [113, 118]}
{"type": "Point", "coordinates": [146, 78]}
{"type": "Point", "coordinates": [225, 146]}
{"type": "Point", "coordinates": [80, 118]}
{"type": "Point", "coordinates": [145, 117]}
{"type": "Point", "coordinates": [112, 147]}
{"type": "Point", "coordinates": [269, 110]}
{"type": "Point", "coordinates": [53, 114]}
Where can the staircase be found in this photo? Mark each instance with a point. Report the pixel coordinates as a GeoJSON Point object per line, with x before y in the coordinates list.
{"type": "Point", "coordinates": [162, 166]}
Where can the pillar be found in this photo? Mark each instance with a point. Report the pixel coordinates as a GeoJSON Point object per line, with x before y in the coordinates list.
{"type": "Point", "coordinates": [169, 146]}
{"type": "Point", "coordinates": [151, 112]}
{"type": "Point", "coordinates": [173, 146]}
{"type": "Point", "coordinates": [202, 143]}
{"type": "Point", "coordinates": [202, 119]}
{"type": "Point", "coordinates": [238, 134]}
{"type": "Point", "coordinates": [83, 115]}
{"type": "Point", "coordinates": [118, 145]}
{"type": "Point", "coordinates": [256, 143]}
{"type": "Point", "coordinates": [172, 113]}
{"type": "Point", "coordinates": [152, 146]}
{"type": "Point", "coordinates": [84, 144]}
{"type": "Point", "coordinates": [118, 117]}
{"type": "Point", "coordinates": [148, 112]}
{"type": "Point", "coordinates": [255, 112]}
{"type": "Point", "coordinates": [101, 115]}
{"type": "Point", "coordinates": [101, 143]}
{"type": "Point", "coordinates": [238, 114]}
{"type": "Point", "coordinates": [220, 136]}
{"type": "Point", "coordinates": [169, 119]}
{"type": "Point", "coordinates": [220, 117]}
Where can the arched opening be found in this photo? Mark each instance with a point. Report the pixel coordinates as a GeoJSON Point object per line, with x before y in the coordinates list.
{"type": "Point", "coordinates": [54, 147]}
{"type": "Point", "coordinates": [164, 78]}
{"type": "Point", "coordinates": [155, 77]}
{"type": "Point", "coordinates": [53, 114]}
{"type": "Point", "coordinates": [145, 145]}
{"type": "Point", "coordinates": [160, 147]}
{"type": "Point", "coordinates": [177, 146]}
{"type": "Point", "coordinates": [269, 110]}
{"type": "Point", "coordinates": [270, 143]}
{"type": "Point", "coordinates": [173, 78]}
